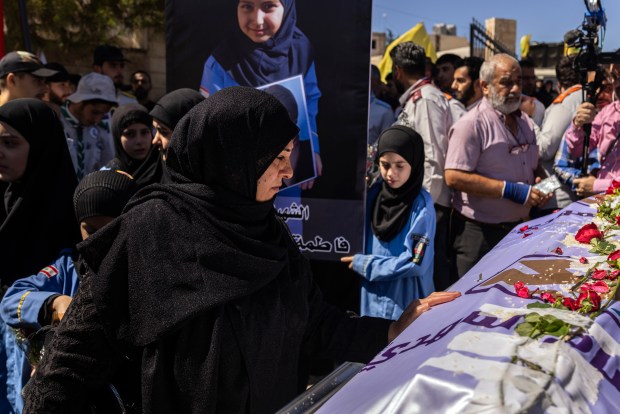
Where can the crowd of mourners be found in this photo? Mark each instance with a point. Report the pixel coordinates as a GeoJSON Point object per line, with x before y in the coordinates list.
{"type": "Point", "coordinates": [145, 269]}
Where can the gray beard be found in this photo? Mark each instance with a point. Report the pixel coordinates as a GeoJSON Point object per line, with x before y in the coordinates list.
{"type": "Point", "coordinates": [499, 103]}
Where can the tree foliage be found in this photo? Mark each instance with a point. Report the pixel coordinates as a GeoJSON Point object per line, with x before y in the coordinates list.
{"type": "Point", "coordinates": [70, 25]}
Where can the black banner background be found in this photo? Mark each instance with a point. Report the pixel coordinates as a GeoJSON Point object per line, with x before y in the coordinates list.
{"type": "Point", "coordinates": [340, 33]}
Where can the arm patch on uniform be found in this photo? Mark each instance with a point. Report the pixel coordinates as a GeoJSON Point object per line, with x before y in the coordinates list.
{"type": "Point", "coordinates": [49, 271]}
{"type": "Point", "coordinates": [419, 247]}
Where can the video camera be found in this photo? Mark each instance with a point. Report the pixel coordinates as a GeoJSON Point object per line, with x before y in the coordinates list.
{"type": "Point", "coordinates": [590, 59]}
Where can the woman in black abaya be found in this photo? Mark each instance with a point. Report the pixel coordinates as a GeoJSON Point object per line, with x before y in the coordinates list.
{"type": "Point", "coordinates": [36, 216]}
{"type": "Point", "coordinates": [38, 212]}
{"type": "Point", "coordinates": [219, 323]}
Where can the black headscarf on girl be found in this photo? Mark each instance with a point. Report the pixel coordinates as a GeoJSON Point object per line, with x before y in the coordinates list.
{"type": "Point", "coordinates": [146, 171]}
{"type": "Point", "coordinates": [221, 246]}
{"type": "Point", "coordinates": [393, 206]}
{"type": "Point", "coordinates": [287, 53]}
{"type": "Point", "coordinates": [173, 106]}
{"type": "Point", "coordinates": [40, 221]}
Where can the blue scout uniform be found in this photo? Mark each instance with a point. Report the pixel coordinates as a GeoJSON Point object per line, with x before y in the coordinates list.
{"type": "Point", "coordinates": [397, 271]}
{"type": "Point", "coordinates": [20, 308]}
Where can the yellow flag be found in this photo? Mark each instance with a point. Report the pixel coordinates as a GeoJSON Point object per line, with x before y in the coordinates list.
{"type": "Point", "coordinates": [525, 45]}
{"type": "Point", "coordinates": [569, 51]}
{"type": "Point", "coordinates": [416, 34]}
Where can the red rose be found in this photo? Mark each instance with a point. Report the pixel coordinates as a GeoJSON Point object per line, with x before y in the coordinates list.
{"type": "Point", "coordinates": [614, 256]}
{"type": "Point", "coordinates": [598, 274]}
{"type": "Point", "coordinates": [600, 287]}
{"type": "Point", "coordinates": [571, 304]}
{"type": "Point", "coordinates": [558, 250]}
{"type": "Point", "coordinates": [592, 297]}
{"type": "Point", "coordinates": [587, 233]}
{"type": "Point", "coordinates": [614, 185]}
{"type": "Point", "coordinates": [524, 292]}
{"type": "Point", "coordinates": [526, 234]}
{"type": "Point", "coordinates": [583, 260]}
{"type": "Point", "coordinates": [613, 275]}
{"type": "Point", "coordinates": [524, 228]}
{"type": "Point", "coordinates": [547, 297]}
{"type": "Point", "coordinates": [618, 220]}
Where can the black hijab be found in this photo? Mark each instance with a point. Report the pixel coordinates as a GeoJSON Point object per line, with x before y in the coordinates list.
{"type": "Point", "coordinates": [146, 171]}
{"type": "Point", "coordinates": [169, 110]}
{"type": "Point", "coordinates": [173, 106]}
{"type": "Point", "coordinates": [218, 152]}
{"type": "Point", "coordinates": [287, 53]}
{"type": "Point", "coordinates": [393, 206]}
{"type": "Point", "coordinates": [39, 220]}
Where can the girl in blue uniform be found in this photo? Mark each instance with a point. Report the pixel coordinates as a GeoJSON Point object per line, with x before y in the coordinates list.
{"type": "Point", "coordinates": [265, 47]}
{"type": "Point", "coordinates": [397, 265]}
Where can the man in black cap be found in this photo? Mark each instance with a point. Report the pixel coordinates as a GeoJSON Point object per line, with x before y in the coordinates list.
{"type": "Point", "coordinates": [109, 60]}
{"type": "Point", "coordinates": [22, 75]}
{"type": "Point", "coordinates": [59, 86]}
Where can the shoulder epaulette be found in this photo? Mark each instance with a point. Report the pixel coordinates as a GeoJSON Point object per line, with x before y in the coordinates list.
{"type": "Point", "coordinates": [416, 94]}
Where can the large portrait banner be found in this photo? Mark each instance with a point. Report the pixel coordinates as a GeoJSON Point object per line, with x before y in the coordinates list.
{"type": "Point", "coordinates": [314, 57]}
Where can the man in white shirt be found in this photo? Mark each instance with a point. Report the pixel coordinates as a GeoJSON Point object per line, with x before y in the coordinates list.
{"type": "Point", "coordinates": [426, 110]}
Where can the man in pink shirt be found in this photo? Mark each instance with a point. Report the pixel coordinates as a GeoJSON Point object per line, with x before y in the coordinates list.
{"type": "Point", "coordinates": [605, 130]}
{"type": "Point", "coordinates": [491, 162]}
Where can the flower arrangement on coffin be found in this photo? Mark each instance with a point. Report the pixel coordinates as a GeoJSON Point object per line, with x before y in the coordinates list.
{"type": "Point", "coordinates": [593, 293]}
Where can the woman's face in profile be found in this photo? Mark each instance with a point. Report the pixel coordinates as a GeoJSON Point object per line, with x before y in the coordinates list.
{"type": "Point", "coordinates": [260, 20]}
{"type": "Point", "coordinates": [280, 169]}
{"type": "Point", "coordinates": [14, 150]}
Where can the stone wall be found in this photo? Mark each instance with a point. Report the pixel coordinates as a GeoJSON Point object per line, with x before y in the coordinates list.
{"type": "Point", "coordinates": [145, 49]}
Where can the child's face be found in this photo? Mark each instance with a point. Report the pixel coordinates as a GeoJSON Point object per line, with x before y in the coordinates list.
{"type": "Point", "coordinates": [260, 20]}
{"type": "Point", "coordinates": [395, 170]}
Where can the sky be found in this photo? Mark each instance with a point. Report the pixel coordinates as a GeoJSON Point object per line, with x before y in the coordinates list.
{"type": "Point", "coordinates": [544, 20]}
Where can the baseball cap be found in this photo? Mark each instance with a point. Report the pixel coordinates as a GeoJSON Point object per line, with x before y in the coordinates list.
{"type": "Point", "coordinates": [107, 53]}
{"type": "Point", "coordinates": [20, 61]}
{"type": "Point", "coordinates": [61, 76]}
{"type": "Point", "coordinates": [94, 86]}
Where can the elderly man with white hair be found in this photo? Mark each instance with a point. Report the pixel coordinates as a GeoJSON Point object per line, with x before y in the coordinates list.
{"type": "Point", "coordinates": [491, 165]}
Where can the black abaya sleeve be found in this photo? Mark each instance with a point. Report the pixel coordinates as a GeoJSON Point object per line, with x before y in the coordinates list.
{"type": "Point", "coordinates": [79, 361]}
{"type": "Point", "coordinates": [334, 334]}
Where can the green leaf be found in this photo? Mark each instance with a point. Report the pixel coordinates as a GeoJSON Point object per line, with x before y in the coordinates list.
{"type": "Point", "coordinates": [538, 305]}
{"type": "Point", "coordinates": [602, 247]}
{"type": "Point", "coordinates": [532, 318]}
{"type": "Point", "coordinates": [524, 329]}
{"type": "Point", "coordinates": [562, 330]}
